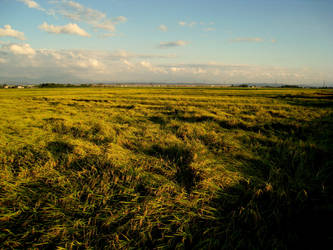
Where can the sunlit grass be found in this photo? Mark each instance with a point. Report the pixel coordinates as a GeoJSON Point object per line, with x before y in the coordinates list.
{"type": "Point", "coordinates": [165, 168]}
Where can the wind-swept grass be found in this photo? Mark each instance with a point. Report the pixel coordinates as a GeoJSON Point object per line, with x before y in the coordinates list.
{"type": "Point", "coordinates": [166, 168]}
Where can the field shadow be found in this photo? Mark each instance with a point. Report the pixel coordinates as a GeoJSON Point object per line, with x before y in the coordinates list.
{"type": "Point", "coordinates": [60, 151]}
{"type": "Point", "coordinates": [32, 223]}
{"type": "Point", "coordinates": [158, 120]}
{"type": "Point", "coordinates": [27, 157]}
{"type": "Point", "coordinates": [94, 133]}
{"type": "Point", "coordinates": [181, 158]}
{"type": "Point", "coordinates": [194, 119]}
{"type": "Point", "coordinates": [58, 148]}
{"type": "Point", "coordinates": [318, 100]}
{"type": "Point", "coordinates": [315, 103]}
{"type": "Point", "coordinates": [289, 205]}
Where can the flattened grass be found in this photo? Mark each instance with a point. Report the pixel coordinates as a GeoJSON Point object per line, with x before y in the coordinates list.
{"type": "Point", "coordinates": [166, 168]}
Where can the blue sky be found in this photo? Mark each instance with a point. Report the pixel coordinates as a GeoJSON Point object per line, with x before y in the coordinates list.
{"type": "Point", "coordinates": [213, 41]}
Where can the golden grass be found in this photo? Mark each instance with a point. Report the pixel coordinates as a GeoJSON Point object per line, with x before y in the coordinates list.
{"type": "Point", "coordinates": [165, 168]}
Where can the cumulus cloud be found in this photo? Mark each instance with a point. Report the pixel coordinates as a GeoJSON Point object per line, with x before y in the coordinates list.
{"type": "Point", "coordinates": [147, 65]}
{"type": "Point", "coordinates": [34, 5]}
{"type": "Point", "coordinates": [80, 13]}
{"type": "Point", "coordinates": [163, 28]}
{"type": "Point", "coordinates": [91, 63]}
{"type": "Point", "coordinates": [179, 43]}
{"type": "Point", "coordinates": [71, 28]}
{"type": "Point", "coordinates": [19, 49]}
{"type": "Point", "coordinates": [31, 4]}
{"type": "Point", "coordinates": [248, 39]}
{"type": "Point", "coordinates": [8, 31]}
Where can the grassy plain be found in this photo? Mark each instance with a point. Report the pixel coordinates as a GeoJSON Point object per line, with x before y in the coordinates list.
{"type": "Point", "coordinates": [166, 168]}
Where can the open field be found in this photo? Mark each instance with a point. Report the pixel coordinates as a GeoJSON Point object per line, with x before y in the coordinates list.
{"type": "Point", "coordinates": [166, 168]}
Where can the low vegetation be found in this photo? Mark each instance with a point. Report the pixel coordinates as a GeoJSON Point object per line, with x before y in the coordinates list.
{"type": "Point", "coordinates": [166, 168]}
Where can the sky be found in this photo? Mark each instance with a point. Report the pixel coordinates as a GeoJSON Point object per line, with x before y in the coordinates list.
{"type": "Point", "coordinates": [183, 41]}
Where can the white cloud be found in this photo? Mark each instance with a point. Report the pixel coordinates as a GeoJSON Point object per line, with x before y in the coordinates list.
{"type": "Point", "coordinates": [71, 28]}
{"type": "Point", "coordinates": [248, 39]}
{"type": "Point", "coordinates": [147, 65]}
{"type": "Point", "coordinates": [109, 24]}
{"type": "Point", "coordinates": [188, 24]}
{"type": "Point", "coordinates": [105, 25]}
{"type": "Point", "coordinates": [90, 63]}
{"type": "Point", "coordinates": [20, 49]}
{"type": "Point", "coordinates": [273, 40]}
{"type": "Point", "coordinates": [8, 31]}
{"type": "Point", "coordinates": [179, 43]}
{"type": "Point", "coordinates": [34, 5]}
{"type": "Point", "coordinates": [31, 4]}
{"type": "Point", "coordinates": [163, 28]}
{"type": "Point", "coordinates": [80, 13]}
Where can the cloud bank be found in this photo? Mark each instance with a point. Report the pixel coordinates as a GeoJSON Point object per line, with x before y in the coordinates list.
{"type": "Point", "coordinates": [21, 61]}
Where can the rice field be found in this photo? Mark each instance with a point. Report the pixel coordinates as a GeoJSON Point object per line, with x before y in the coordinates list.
{"type": "Point", "coordinates": [166, 168]}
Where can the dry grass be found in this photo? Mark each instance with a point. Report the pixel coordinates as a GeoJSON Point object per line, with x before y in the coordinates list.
{"type": "Point", "coordinates": [165, 168]}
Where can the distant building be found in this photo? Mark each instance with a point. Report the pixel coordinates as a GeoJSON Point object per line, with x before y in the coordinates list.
{"type": "Point", "coordinates": [20, 87]}
{"type": "Point", "coordinates": [6, 87]}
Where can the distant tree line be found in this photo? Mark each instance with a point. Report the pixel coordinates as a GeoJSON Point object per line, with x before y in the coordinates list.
{"type": "Point", "coordinates": [60, 85]}
{"type": "Point", "coordinates": [290, 86]}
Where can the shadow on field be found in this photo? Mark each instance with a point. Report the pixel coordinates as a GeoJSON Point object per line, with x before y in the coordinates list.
{"type": "Point", "coordinates": [59, 148]}
{"type": "Point", "coordinates": [60, 151]}
{"type": "Point", "coordinates": [158, 120]}
{"type": "Point", "coordinates": [280, 129]}
{"type": "Point", "coordinates": [319, 100]}
{"type": "Point", "coordinates": [181, 158]}
{"type": "Point", "coordinates": [291, 207]}
{"type": "Point", "coordinates": [27, 157]}
{"type": "Point", "coordinates": [94, 133]}
{"type": "Point", "coordinates": [193, 119]}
